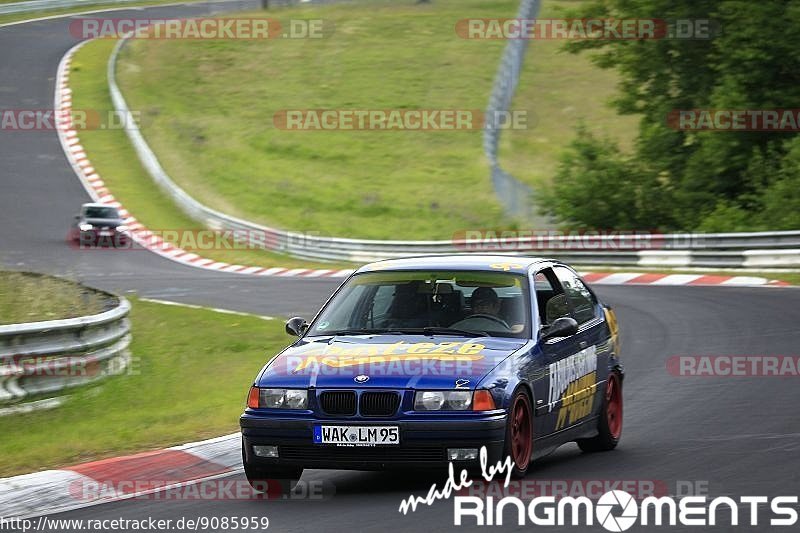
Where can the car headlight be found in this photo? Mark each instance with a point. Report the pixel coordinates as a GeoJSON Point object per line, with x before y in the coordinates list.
{"type": "Point", "coordinates": [122, 228]}
{"type": "Point", "coordinates": [277, 398]}
{"type": "Point", "coordinates": [85, 227]}
{"type": "Point", "coordinates": [450, 400]}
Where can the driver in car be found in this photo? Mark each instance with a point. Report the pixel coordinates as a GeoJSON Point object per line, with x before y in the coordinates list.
{"type": "Point", "coordinates": [485, 313]}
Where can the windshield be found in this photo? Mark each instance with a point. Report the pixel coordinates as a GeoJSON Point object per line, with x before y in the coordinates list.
{"type": "Point", "coordinates": [100, 212]}
{"type": "Point", "coordinates": [472, 303]}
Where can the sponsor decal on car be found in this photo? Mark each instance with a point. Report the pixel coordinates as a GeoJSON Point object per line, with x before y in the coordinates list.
{"type": "Point", "coordinates": [342, 357]}
{"type": "Point", "coordinates": [572, 383]}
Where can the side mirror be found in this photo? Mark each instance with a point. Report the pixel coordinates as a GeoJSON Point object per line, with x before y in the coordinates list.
{"type": "Point", "coordinates": [297, 326]}
{"type": "Point", "coordinates": [561, 327]}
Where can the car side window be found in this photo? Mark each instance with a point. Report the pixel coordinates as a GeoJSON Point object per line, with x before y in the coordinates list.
{"type": "Point", "coordinates": [550, 298]}
{"type": "Point", "coordinates": [580, 297]}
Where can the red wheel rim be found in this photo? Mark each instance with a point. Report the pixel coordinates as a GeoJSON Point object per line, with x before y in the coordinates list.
{"type": "Point", "coordinates": [614, 405]}
{"type": "Point", "coordinates": [521, 434]}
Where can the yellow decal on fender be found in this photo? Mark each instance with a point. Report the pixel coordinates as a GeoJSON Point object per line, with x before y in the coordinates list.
{"type": "Point", "coordinates": [613, 325]}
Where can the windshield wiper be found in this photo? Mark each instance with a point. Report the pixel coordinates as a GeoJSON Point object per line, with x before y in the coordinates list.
{"type": "Point", "coordinates": [438, 330]}
{"type": "Point", "coordinates": [350, 332]}
{"type": "Point", "coordinates": [455, 331]}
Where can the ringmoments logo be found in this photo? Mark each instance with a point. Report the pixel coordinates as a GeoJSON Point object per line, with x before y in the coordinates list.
{"type": "Point", "coordinates": [618, 510]}
{"type": "Point", "coordinates": [615, 510]}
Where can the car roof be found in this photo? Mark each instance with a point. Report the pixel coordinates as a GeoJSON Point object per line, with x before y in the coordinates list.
{"type": "Point", "coordinates": [96, 204]}
{"type": "Point", "coordinates": [519, 265]}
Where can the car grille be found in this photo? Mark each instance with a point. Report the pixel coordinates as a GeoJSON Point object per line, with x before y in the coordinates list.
{"type": "Point", "coordinates": [379, 403]}
{"type": "Point", "coordinates": [367, 454]}
{"type": "Point", "coordinates": [338, 402]}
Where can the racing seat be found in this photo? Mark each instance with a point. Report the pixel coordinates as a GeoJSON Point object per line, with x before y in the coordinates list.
{"type": "Point", "coordinates": [512, 310]}
{"type": "Point", "coordinates": [556, 307]}
{"type": "Point", "coordinates": [450, 304]}
{"type": "Point", "coordinates": [410, 307]}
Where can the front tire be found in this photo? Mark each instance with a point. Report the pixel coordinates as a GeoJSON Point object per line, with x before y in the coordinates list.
{"type": "Point", "coordinates": [519, 434]}
{"type": "Point", "coordinates": [610, 424]}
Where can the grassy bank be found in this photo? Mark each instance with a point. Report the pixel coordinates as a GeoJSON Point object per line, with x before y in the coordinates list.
{"type": "Point", "coordinates": [189, 377]}
{"type": "Point", "coordinates": [208, 110]}
{"type": "Point", "coordinates": [115, 160]}
{"type": "Point", "coordinates": [208, 113]}
{"type": "Point", "coordinates": [33, 298]}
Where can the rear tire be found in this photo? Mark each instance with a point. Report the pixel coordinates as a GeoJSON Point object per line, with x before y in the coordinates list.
{"type": "Point", "coordinates": [610, 424]}
{"type": "Point", "coordinates": [519, 434]}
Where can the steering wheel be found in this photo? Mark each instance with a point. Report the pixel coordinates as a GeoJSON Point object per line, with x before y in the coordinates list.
{"type": "Point", "coordinates": [489, 317]}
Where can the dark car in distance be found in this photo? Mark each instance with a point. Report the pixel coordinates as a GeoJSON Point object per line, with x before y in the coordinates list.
{"type": "Point", "coordinates": [99, 225]}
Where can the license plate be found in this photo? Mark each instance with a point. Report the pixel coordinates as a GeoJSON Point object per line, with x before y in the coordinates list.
{"type": "Point", "coordinates": [357, 435]}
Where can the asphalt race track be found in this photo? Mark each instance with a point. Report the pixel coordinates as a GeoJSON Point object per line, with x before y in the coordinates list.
{"type": "Point", "coordinates": [737, 436]}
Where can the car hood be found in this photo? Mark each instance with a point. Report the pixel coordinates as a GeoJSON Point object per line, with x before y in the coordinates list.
{"type": "Point", "coordinates": [388, 361]}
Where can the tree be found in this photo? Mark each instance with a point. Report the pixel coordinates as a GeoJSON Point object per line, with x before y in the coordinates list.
{"type": "Point", "coordinates": [751, 63]}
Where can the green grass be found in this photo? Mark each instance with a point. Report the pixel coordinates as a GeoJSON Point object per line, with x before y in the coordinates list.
{"type": "Point", "coordinates": [32, 297]}
{"type": "Point", "coordinates": [190, 374]}
{"type": "Point", "coordinates": [115, 160]}
{"type": "Point", "coordinates": [208, 109]}
{"type": "Point", "coordinates": [215, 136]}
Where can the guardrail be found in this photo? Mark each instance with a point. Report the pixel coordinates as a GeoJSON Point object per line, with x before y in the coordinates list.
{"type": "Point", "coordinates": [515, 196]}
{"type": "Point", "coordinates": [40, 358]}
{"type": "Point", "coordinates": [743, 250]}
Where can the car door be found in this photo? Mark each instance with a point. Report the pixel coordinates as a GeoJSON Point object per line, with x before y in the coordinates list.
{"type": "Point", "coordinates": [581, 399]}
{"type": "Point", "coordinates": [559, 354]}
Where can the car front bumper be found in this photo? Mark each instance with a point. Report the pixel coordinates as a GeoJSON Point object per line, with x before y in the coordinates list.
{"type": "Point", "coordinates": [423, 443]}
{"type": "Point", "coordinates": [101, 238]}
